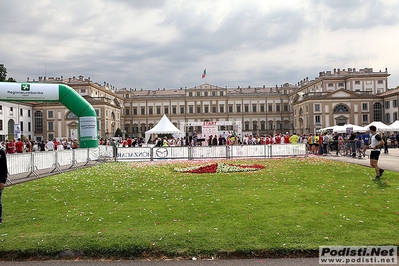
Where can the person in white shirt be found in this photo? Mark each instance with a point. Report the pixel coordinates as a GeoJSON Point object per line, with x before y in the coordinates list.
{"type": "Point", "coordinates": [376, 143]}
{"type": "Point", "coordinates": [50, 145]}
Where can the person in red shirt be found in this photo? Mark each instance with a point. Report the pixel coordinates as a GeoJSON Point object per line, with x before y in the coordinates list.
{"type": "Point", "coordinates": [277, 139]}
{"type": "Point", "coordinates": [11, 146]}
{"type": "Point", "coordinates": [19, 146]}
{"type": "Point", "coordinates": [129, 142]}
{"type": "Point", "coordinates": [286, 138]}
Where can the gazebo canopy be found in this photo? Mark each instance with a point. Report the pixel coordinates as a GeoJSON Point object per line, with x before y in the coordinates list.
{"type": "Point", "coordinates": [164, 126]}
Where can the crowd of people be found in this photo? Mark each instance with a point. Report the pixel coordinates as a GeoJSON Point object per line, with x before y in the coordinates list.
{"type": "Point", "coordinates": [27, 145]}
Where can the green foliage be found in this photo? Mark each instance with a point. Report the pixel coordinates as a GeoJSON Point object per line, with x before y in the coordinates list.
{"type": "Point", "coordinates": [147, 209]}
{"type": "Point", "coordinates": [3, 74]}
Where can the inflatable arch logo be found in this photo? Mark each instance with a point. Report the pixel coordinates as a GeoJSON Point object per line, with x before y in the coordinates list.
{"type": "Point", "coordinates": [37, 92]}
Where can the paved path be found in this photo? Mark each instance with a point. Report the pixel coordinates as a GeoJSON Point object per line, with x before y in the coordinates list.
{"type": "Point", "coordinates": [387, 161]}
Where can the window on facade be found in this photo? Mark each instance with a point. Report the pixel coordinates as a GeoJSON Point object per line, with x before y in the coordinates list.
{"type": "Point", "coordinates": [134, 111]}
{"type": "Point", "coordinates": [29, 126]}
{"type": "Point", "coordinates": [38, 116]}
{"type": "Point", "coordinates": [395, 104]}
{"type": "Point", "coordinates": [214, 109]}
{"type": "Point", "coordinates": [377, 112]}
{"type": "Point", "coordinates": [221, 108]}
{"type": "Point", "coordinates": [191, 109]}
{"type": "Point", "coordinates": [221, 93]}
{"type": "Point", "coordinates": [387, 104]}
{"type": "Point", "coordinates": [270, 125]}
{"type": "Point", "coordinates": [198, 109]}
{"type": "Point", "coordinates": [262, 108]}
{"type": "Point", "coordinates": [28, 113]}
{"type": "Point", "coordinates": [340, 108]}
{"type": "Point", "coordinates": [317, 119]}
{"type": "Point", "coordinates": [238, 108]}
{"type": "Point", "coordinates": [22, 125]}
{"type": "Point", "coordinates": [230, 108]}
{"type": "Point", "coordinates": [254, 125]}
{"type": "Point", "coordinates": [380, 82]}
{"type": "Point", "coordinates": [1, 124]}
{"type": "Point", "coordinates": [340, 84]}
{"type": "Point", "coordinates": [206, 109]}
{"type": "Point", "coordinates": [394, 116]}
{"type": "Point", "coordinates": [181, 109]}
{"type": "Point", "coordinates": [278, 107]}
{"type": "Point", "coordinates": [246, 126]}
{"type": "Point", "coordinates": [317, 107]}
{"type": "Point", "coordinates": [150, 110]}
{"type": "Point", "coordinates": [365, 106]}
{"type": "Point", "coordinates": [21, 112]}
{"type": "Point", "coordinates": [127, 111]}
{"type": "Point", "coordinates": [213, 93]}
{"type": "Point", "coordinates": [1, 109]}
{"type": "Point", "coordinates": [142, 110]}
{"type": "Point", "coordinates": [285, 107]}
{"type": "Point", "coordinates": [50, 126]}
{"type": "Point", "coordinates": [174, 110]}
{"type": "Point", "coordinates": [246, 108]}
{"type": "Point", "coordinates": [388, 118]}
{"type": "Point", "coordinates": [11, 110]}
{"type": "Point", "coordinates": [198, 93]}
{"type": "Point", "coordinates": [330, 84]}
{"type": "Point", "coordinates": [262, 125]}
{"type": "Point", "coordinates": [190, 94]}
{"type": "Point", "coordinates": [270, 107]}
{"type": "Point", "coordinates": [365, 119]}
{"type": "Point", "coordinates": [357, 82]}
{"type": "Point", "coordinates": [205, 93]}
{"type": "Point", "coordinates": [254, 108]}
{"type": "Point", "coordinates": [166, 109]}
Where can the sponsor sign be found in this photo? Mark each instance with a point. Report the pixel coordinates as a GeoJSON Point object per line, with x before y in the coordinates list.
{"type": "Point", "coordinates": [28, 92]}
{"type": "Point", "coordinates": [88, 128]}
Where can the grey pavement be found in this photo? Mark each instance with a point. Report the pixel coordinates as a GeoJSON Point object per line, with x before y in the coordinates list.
{"type": "Point", "coordinates": [388, 161]}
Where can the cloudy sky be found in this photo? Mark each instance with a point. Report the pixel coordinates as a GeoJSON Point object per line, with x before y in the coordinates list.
{"type": "Point", "coordinates": [154, 44]}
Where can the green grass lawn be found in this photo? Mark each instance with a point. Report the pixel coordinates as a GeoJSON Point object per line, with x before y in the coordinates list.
{"type": "Point", "coordinates": [147, 209]}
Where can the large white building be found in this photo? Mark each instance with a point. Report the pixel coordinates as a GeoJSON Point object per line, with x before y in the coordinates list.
{"type": "Point", "coordinates": [333, 98]}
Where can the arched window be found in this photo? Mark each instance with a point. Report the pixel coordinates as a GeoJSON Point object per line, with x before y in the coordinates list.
{"type": "Point", "coordinates": [341, 108]}
{"type": "Point", "coordinates": [38, 116]}
{"type": "Point", "coordinates": [377, 112]}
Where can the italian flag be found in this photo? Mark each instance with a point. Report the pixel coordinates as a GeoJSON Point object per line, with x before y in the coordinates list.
{"type": "Point", "coordinates": [204, 74]}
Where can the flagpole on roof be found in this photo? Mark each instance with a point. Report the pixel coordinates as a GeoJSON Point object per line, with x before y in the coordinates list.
{"type": "Point", "coordinates": [204, 74]}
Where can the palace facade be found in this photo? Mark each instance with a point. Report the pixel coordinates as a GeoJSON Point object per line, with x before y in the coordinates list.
{"type": "Point", "coordinates": [333, 98]}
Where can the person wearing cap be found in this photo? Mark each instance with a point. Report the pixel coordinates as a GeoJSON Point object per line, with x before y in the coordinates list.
{"type": "Point", "coordinates": [376, 143]}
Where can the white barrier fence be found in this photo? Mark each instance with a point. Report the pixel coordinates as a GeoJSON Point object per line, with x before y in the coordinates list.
{"type": "Point", "coordinates": [50, 161]}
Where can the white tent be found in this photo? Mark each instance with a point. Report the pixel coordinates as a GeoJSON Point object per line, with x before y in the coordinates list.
{"type": "Point", "coordinates": [395, 125]}
{"type": "Point", "coordinates": [164, 126]}
{"type": "Point", "coordinates": [345, 128]}
{"type": "Point", "coordinates": [380, 126]}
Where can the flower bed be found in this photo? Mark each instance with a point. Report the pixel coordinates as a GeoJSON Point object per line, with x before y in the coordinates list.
{"type": "Point", "coordinates": [219, 168]}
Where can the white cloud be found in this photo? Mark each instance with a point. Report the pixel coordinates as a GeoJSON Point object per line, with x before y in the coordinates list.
{"type": "Point", "coordinates": [151, 44]}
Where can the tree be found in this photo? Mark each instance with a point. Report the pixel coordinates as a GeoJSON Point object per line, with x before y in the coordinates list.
{"type": "Point", "coordinates": [3, 74]}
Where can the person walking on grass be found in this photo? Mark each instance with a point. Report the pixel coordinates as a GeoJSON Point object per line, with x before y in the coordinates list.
{"type": "Point", "coordinates": [376, 143]}
{"type": "Point", "coordinates": [3, 178]}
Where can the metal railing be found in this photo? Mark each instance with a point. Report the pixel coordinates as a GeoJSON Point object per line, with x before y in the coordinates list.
{"type": "Point", "coordinates": [41, 163]}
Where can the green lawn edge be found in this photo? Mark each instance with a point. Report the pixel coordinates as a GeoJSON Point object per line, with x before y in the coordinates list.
{"type": "Point", "coordinates": [148, 210]}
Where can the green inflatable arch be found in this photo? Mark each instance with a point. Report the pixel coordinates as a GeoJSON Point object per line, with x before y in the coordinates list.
{"type": "Point", "coordinates": [39, 92]}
